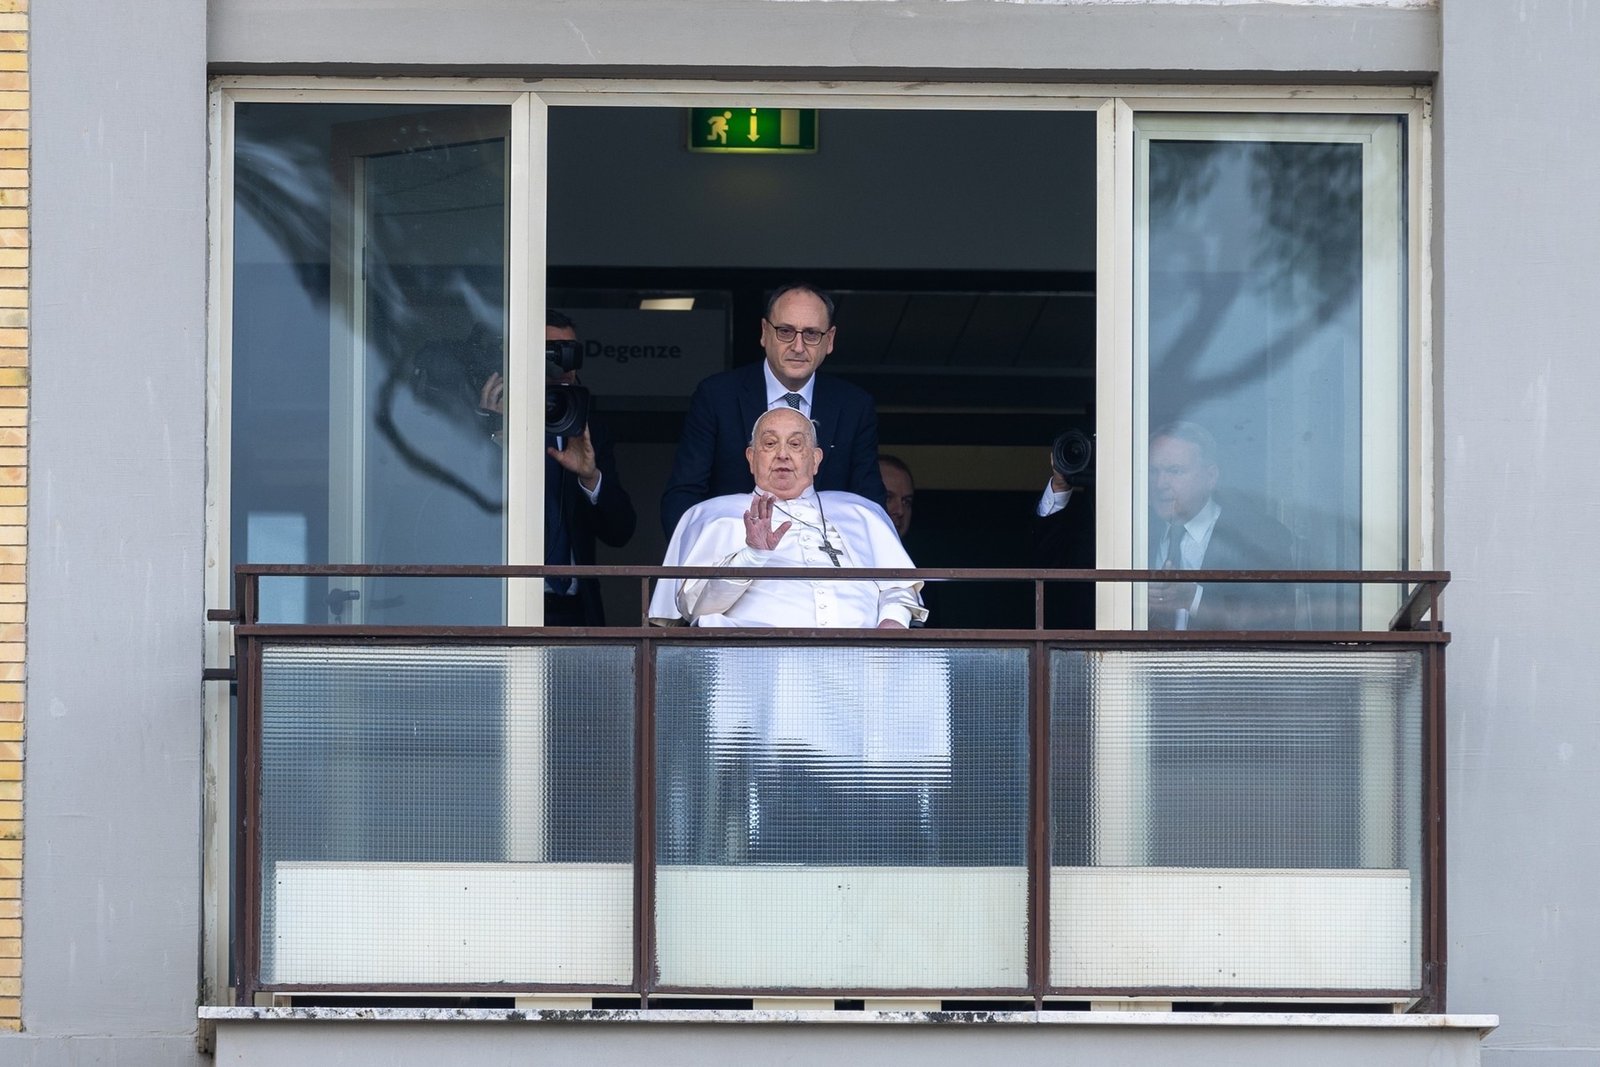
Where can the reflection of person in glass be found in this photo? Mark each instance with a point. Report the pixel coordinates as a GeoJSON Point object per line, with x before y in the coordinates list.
{"type": "Point", "coordinates": [583, 498]}
{"type": "Point", "coordinates": [1193, 530]}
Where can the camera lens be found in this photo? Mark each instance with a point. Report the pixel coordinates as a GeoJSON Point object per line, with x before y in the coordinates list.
{"type": "Point", "coordinates": [1072, 453]}
{"type": "Point", "coordinates": [566, 409]}
{"type": "Point", "coordinates": [563, 355]}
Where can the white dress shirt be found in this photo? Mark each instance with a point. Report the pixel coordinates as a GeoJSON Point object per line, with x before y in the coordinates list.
{"type": "Point", "coordinates": [776, 391]}
{"type": "Point", "coordinates": [1196, 539]}
{"type": "Point", "coordinates": [1191, 551]}
{"type": "Point", "coordinates": [1051, 501]}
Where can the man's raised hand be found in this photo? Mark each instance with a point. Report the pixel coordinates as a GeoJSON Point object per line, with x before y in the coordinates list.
{"type": "Point", "coordinates": [758, 531]}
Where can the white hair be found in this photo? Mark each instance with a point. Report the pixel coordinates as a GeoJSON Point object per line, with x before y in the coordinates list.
{"type": "Point", "coordinates": [811, 427]}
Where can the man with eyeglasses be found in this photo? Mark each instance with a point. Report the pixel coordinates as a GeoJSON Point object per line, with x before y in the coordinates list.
{"type": "Point", "coordinates": [797, 334]}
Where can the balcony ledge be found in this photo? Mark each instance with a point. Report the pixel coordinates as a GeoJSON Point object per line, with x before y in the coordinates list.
{"type": "Point", "coordinates": [1309, 1020]}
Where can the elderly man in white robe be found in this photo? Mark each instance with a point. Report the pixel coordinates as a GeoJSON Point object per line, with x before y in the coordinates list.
{"type": "Point", "coordinates": [826, 735]}
{"type": "Point", "coordinates": [787, 523]}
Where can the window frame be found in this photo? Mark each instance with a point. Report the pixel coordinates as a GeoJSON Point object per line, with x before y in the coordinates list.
{"type": "Point", "coordinates": [1118, 422]}
{"type": "Point", "coordinates": [1385, 433]}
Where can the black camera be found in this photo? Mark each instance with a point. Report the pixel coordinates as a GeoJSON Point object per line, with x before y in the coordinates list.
{"type": "Point", "coordinates": [1072, 456]}
{"type": "Point", "coordinates": [562, 356]}
{"type": "Point", "coordinates": [566, 404]}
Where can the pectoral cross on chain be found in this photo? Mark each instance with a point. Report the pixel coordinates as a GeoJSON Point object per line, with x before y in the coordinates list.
{"type": "Point", "coordinates": [833, 553]}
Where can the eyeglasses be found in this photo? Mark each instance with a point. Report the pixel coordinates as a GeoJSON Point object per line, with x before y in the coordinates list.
{"type": "Point", "coordinates": [786, 334]}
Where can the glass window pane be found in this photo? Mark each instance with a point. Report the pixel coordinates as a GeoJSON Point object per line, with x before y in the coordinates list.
{"type": "Point", "coordinates": [1236, 818]}
{"type": "Point", "coordinates": [1271, 279]}
{"type": "Point", "coordinates": [369, 312]}
{"type": "Point", "coordinates": [844, 818]}
{"type": "Point", "coordinates": [477, 802]}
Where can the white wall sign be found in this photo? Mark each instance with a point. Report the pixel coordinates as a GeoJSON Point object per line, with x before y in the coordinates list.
{"type": "Point", "coordinates": [628, 352]}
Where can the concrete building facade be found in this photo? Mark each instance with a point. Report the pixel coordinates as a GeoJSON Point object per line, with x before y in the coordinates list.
{"type": "Point", "coordinates": [110, 113]}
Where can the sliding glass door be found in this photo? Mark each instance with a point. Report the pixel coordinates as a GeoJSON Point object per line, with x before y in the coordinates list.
{"type": "Point", "coordinates": [1269, 332]}
{"type": "Point", "coordinates": [370, 307]}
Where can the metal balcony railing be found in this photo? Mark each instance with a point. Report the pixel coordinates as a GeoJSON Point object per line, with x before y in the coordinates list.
{"type": "Point", "coordinates": [936, 813]}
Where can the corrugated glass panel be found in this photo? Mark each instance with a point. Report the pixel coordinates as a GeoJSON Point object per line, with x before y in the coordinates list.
{"type": "Point", "coordinates": [848, 818]}
{"type": "Point", "coordinates": [433, 814]}
{"type": "Point", "coordinates": [1236, 818]}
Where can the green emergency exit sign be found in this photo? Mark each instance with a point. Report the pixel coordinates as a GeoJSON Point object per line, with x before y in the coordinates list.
{"type": "Point", "coordinates": [752, 129]}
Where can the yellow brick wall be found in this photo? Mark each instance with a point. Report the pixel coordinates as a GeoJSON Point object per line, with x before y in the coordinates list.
{"type": "Point", "coordinates": [13, 486]}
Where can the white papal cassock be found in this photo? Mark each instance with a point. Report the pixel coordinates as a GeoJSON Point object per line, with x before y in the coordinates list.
{"type": "Point", "coordinates": [870, 708]}
{"type": "Point", "coordinates": [712, 534]}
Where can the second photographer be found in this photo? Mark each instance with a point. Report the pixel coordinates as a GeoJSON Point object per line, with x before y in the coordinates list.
{"type": "Point", "coordinates": [1063, 535]}
{"type": "Point", "coordinates": [584, 497]}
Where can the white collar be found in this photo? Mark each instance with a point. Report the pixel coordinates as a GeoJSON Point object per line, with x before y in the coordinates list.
{"type": "Point", "coordinates": [808, 498]}
{"type": "Point", "coordinates": [776, 390]}
{"type": "Point", "coordinates": [1201, 525]}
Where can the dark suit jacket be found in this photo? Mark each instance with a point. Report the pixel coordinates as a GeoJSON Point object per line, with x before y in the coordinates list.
{"type": "Point", "coordinates": [610, 518]}
{"type": "Point", "coordinates": [710, 460]}
{"type": "Point", "coordinates": [1065, 540]}
{"type": "Point", "coordinates": [1244, 540]}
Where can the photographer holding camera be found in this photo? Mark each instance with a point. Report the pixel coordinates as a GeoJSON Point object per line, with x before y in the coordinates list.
{"type": "Point", "coordinates": [1063, 537]}
{"type": "Point", "coordinates": [583, 497]}
{"type": "Point", "coordinates": [1071, 468]}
